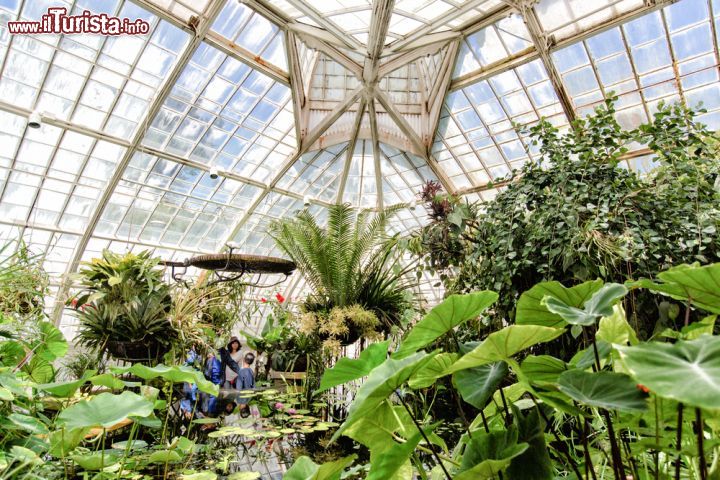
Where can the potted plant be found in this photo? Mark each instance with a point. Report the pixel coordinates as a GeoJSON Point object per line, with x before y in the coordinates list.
{"type": "Point", "coordinates": [124, 307]}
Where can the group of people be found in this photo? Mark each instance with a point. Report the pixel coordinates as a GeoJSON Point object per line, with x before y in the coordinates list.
{"type": "Point", "coordinates": [230, 370]}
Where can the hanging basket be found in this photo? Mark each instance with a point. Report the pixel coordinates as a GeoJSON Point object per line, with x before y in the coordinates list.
{"type": "Point", "coordinates": [136, 352]}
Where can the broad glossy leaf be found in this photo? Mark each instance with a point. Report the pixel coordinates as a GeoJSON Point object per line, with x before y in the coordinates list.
{"type": "Point", "coordinates": [39, 370]}
{"type": "Point", "coordinates": [63, 442]}
{"type": "Point", "coordinates": [477, 385]}
{"type": "Point", "coordinates": [174, 374]}
{"type": "Point", "coordinates": [96, 460]}
{"type": "Point", "coordinates": [65, 389]}
{"type": "Point", "coordinates": [488, 454]}
{"type": "Point", "coordinates": [534, 463]}
{"type": "Point", "coordinates": [531, 311]}
{"type": "Point", "coordinates": [380, 384]}
{"type": "Point", "coordinates": [697, 284]}
{"type": "Point", "coordinates": [453, 311]}
{"type": "Point", "coordinates": [616, 329]}
{"type": "Point", "coordinates": [542, 369]}
{"type": "Point", "coordinates": [598, 306]}
{"type": "Point", "coordinates": [687, 371]}
{"type": "Point", "coordinates": [348, 369]}
{"type": "Point", "coordinates": [306, 469]}
{"type": "Point", "coordinates": [27, 423]}
{"type": "Point", "coordinates": [25, 456]}
{"type": "Point", "coordinates": [105, 410]}
{"type": "Point", "coordinates": [585, 358]}
{"type": "Point", "coordinates": [375, 431]}
{"type": "Point", "coordinates": [505, 343]}
{"type": "Point", "coordinates": [53, 341]}
{"type": "Point", "coordinates": [386, 464]}
{"type": "Point", "coordinates": [164, 456]}
{"type": "Point", "coordinates": [107, 380]}
{"type": "Point", "coordinates": [434, 369]}
{"type": "Point", "coordinates": [610, 390]}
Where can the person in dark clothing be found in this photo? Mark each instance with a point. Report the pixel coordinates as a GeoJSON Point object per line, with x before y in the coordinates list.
{"type": "Point", "coordinates": [246, 381]}
{"type": "Point", "coordinates": [215, 370]}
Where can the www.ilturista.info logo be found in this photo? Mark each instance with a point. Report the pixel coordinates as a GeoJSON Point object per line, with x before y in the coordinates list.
{"type": "Point", "coordinates": [57, 21]}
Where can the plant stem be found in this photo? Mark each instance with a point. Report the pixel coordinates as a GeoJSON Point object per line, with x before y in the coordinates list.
{"type": "Point", "coordinates": [508, 420]}
{"type": "Point", "coordinates": [657, 440]}
{"type": "Point", "coordinates": [588, 458]}
{"type": "Point", "coordinates": [484, 420]}
{"type": "Point", "coordinates": [422, 432]}
{"type": "Point", "coordinates": [562, 444]}
{"type": "Point", "coordinates": [678, 441]}
{"type": "Point", "coordinates": [700, 439]}
{"type": "Point", "coordinates": [618, 466]}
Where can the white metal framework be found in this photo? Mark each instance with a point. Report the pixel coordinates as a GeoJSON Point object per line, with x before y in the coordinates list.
{"type": "Point", "coordinates": [354, 101]}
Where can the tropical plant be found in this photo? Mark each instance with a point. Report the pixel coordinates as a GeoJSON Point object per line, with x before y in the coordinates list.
{"type": "Point", "coordinates": [580, 213]}
{"type": "Point", "coordinates": [350, 262]}
{"type": "Point", "coordinates": [616, 409]}
{"type": "Point", "coordinates": [124, 306]}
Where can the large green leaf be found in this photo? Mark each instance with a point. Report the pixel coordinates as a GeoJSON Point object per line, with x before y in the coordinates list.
{"type": "Point", "coordinates": [534, 463]}
{"type": "Point", "coordinates": [61, 442]}
{"type": "Point", "coordinates": [65, 389]}
{"type": "Point", "coordinates": [386, 465]}
{"type": "Point", "coordinates": [96, 460]}
{"type": "Point", "coordinates": [610, 390]}
{"type": "Point", "coordinates": [347, 369]}
{"type": "Point", "coordinates": [477, 385]}
{"type": "Point", "coordinates": [488, 454]}
{"type": "Point", "coordinates": [687, 371]}
{"type": "Point", "coordinates": [174, 374]}
{"type": "Point", "coordinates": [306, 469]}
{"type": "Point", "coordinates": [505, 343]}
{"type": "Point", "coordinates": [382, 382]}
{"type": "Point", "coordinates": [376, 431]}
{"type": "Point", "coordinates": [542, 369]}
{"type": "Point", "coordinates": [616, 329]}
{"type": "Point", "coordinates": [433, 370]}
{"type": "Point", "coordinates": [598, 306]}
{"type": "Point", "coordinates": [39, 370]}
{"type": "Point", "coordinates": [699, 285]}
{"type": "Point", "coordinates": [531, 311]}
{"type": "Point", "coordinates": [27, 423]}
{"type": "Point", "coordinates": [105, 410]}
{"type": "Point", "coordinates": [53, 345]}
{"type": "Point", "coordinates": [453, 311]}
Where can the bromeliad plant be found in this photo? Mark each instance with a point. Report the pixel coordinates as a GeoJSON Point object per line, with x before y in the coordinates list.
{"type": "Point", "coordinates": [618, 408]}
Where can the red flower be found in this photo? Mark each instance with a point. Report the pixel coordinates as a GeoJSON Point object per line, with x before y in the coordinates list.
{"type": "Point", "coordinates": [263, 300]}
{"type": "Point", "coordinates": [643, 388]}
{"type": "Point", "coordinates": [74, 303]}
{"type": "Point", "coordinates": [280, 298]}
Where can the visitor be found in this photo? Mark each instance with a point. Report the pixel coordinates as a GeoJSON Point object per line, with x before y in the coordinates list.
{"type": "Point", "coordinates": [246, 381]}
{"type": "Point", "coordinates": [231, 375]}
{"type": "Point", "coordinates": [214, 373]}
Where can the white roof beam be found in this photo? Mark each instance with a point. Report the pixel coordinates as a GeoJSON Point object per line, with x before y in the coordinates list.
{"type": "Point", "coordinates": [320, 19]}
{"type": "Point", "coordinates": [204, 26]}
{"type": "Point", "coordinates": [410, 56]}
{"type": "Point", "coordinates": [376, 154]}
{"type": "Point", "coordinates": [329, 50]}
{"type": "Point", "coordinates": [351, 147]}
{"type": "Point", "coordinates": [329, 119]}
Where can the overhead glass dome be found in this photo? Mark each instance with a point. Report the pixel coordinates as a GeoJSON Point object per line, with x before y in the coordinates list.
{"type": "Point", "coordinates": [297, 102]}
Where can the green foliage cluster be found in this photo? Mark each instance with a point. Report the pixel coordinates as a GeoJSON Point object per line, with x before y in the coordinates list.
{"type": "Point", "coordinates": [614, 410]}
{"type": "Point", "coordinates": [351, 261]}
{"type": "Point", "coordinates": [123, 299]}
{"type": "Point", "coordinates": [580, 214]}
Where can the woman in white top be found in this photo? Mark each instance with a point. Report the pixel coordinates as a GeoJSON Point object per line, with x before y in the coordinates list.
{"type": "Point", "coordinates": [234, 350]}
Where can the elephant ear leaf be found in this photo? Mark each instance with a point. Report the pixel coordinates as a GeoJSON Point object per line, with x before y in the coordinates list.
{"type": "Point", "coordinates": [599, 305]}
{"type": "Point", "coordinates": [686, 371]}
{"type": "Point", "coordinates": [380, 384]}
{"type": "Point", "coordinates": [691, 283]}
{"type": "Point", "coordinates": [454, 311]}
{"type": "Point", "coordinates": [347, 369]}
{"type": "Point", "coordinates": [610, 390]}
{"type": "Point", "coordinates": [477, 385]}
{"type": "Point", "coordinates": [489, 454]}
{"type": "Point", "coordinates": [531, 311]}
{"type": "Point", "coordinates": [305, 469]}
{"type": "Point", "coordinates": [505, 343]}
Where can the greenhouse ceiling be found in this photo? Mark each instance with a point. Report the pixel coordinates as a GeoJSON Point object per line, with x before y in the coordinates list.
{"type": "Point", "coordinates": [298, 102]}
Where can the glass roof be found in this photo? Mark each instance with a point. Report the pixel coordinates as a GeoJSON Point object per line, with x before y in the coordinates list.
{"type": "Point", "coordinates": [295, 101]}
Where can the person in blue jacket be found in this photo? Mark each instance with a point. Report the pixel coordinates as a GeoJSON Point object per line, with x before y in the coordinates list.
{"type": "Point", "coordinates": [215, 368]}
